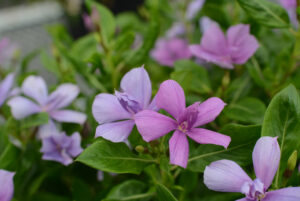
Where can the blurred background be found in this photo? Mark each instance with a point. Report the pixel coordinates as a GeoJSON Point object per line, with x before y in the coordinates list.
{"type": "Point", "coordinates": [25, 22]}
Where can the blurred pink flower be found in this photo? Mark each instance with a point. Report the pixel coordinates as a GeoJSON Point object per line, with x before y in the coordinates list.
{"type": "Point", "coordinates": [7, 50]}
{"type": "Point", "coordinates": [7, 185]}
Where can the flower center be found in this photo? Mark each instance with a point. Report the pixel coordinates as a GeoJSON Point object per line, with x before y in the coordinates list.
{"type": "Point", "coordinates": [189, 118]}
{"type": "Point", "coordinates": [128, 103]}
{"type": "Point", "coordinates": [183, 127]}
{"type": "Point", "coordinates": [254, 190]}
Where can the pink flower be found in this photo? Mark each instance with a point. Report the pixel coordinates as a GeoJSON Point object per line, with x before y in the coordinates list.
{"type": "Point", "coordinates": [7, 185]}
{"type": "Point", "coordinates": [235, 48]}
{"type": "Point", "coordinates": [7, 50]}
{"type": "Point", "coordinates": [171, 98]}
{"type": "Point", "coordinates": [167, 51]}
{"type": "Point", "coordinates": [227, 176]}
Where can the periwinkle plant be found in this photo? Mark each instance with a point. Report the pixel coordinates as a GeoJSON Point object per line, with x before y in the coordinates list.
{"type": "Point", "coordinates": [116, 125]}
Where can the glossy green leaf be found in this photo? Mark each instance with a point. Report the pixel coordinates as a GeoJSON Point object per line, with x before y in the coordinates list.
{"type": "Point", "coordinates": [191, 76]}
{"type": "Point", "coordinates": [164, 194]}
{"type": "Point", "coordinates": [266, 13]}
{"type": "Point", "coordinates": [113, 157]}
{"type": "Point", "coordinates": [131, 190]}
{"type": "Point", "coordinates": [248, 110]}
{"type": "Point", "coordinates": [282, 120]}
{"type": "Point", "coordinates": [243, 139]}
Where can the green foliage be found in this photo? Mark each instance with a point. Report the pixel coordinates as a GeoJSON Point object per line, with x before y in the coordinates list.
{"type": "Point", "coordinates": [164, 194]}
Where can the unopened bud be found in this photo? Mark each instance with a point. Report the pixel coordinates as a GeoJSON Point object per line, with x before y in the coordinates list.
{"type": "Point", "coordinates": [291, 165]}
{"type": "Point", "coordinates": [140, 149]}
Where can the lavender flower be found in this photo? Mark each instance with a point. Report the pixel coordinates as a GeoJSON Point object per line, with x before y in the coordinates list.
{"type": "Point", "coordinates": [91, 21]}
{"type": "Point", "coordinates": [167, 51]}
{"type": "Point", "coordinates": [176, 30]}
{"type": "Point", "coordinates": [35, 88]}
{"type": "Point", "coordinates": [5, 88]}
{"type": "Point", "coordinates": [171, 98]}
{"type": "Point", "coordinates": [7, 185]}
{"type": "Point", "coordinates": [227, 176]}
{"type": "Point", "coordinates": [234, 48]}
{"type": "Point", "coordinates": [115, 114]}
{"type": "Point", "coordinates": [291, 8]}
{"type": "Point", "coordinates": [7, 50]}
{"type": "Point", "coordinates": [193, 8]}
{"type": "Point", "coordinates": [61, 148]}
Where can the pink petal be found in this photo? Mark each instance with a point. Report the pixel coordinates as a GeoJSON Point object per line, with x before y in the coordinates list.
{"type": "Point", "coordinates": [209, 110]}
{"type": "Point", "coordinates": [153, 125]}
{"type": "Point", "coordinates": [220, 60]}
{"type": "Point", "coordinates": [106, 108]}
{"type": "Point", "coordinates": [68, 116]}
{"type": "Point", "coordinates": [62, 96]}
{"type": "Point", "coordinates": [137, 84]}
{"type": "Point", "coordinates": [153, 105]}
{"type": "Point", "coordinates": [243, 199]}
{"type": "Point", "coordinates": [242, 45]}
{"type": "Point", "coordinates": [285, 194]}
{"type": "Point", "coordinates": [266, 157]}
{"type": "Point", "coordinates": [204, 136]}
{"type": "Point", "coordinates": [171, 98]}
{"type": "Point", "coordinates": [22, 107]}
{"type": "Point", "coordinates": [116, 131]}
{"type": "Point", "coordinates": [225, 176]}
{"type": "Point", "coordinates": [35, 87]}
{"type": "Point", "coordinates": [179, 149]}
{"type": "Point", "coordinates": [7, 185]}
{"type": "Point", "coordinates": [5, 87]}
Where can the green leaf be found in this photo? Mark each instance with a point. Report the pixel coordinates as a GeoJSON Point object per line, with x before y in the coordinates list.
{"type": "Point", "coordinates": [49, 63]}
{"type": "Point", "coordinates": [85, 47]}
{"type": "Point", "coordinates": [164, 194]}
{"type": "Point", "coordinates": [124, 41]}
{"type": "Point", "coordinates": [266, 13]}
{"type": "Point", "coordinates": [191, 76]}
{"type": "Point", "coordinates": [10, 157]}
{"type": "Point", "coordinates": [106, 20]}
{"type": "Point", "coordinates": [256, 73]}
{"type": "Point", "coordinates": [282, 120]}
{"type": "Point", "coordinates": [243, 139]}
{"type": "Point", "coordinates": [81, 190]}
{"type": "Point", "coordinates": [113, 157]}
{"type": "Point", "coordinates": [131, 190]}
{"type": "Point", "coordinates": [248, 110]}
{"type": "Point", "coordinates": [238, 88]}
{"type": "Point", "coordinates": [35, 120]}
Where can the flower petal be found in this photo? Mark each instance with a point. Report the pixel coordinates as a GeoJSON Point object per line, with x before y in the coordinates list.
{"type": "Point", "coordinates": [75, 147]}
{"type": "Point", "coordinates": [171, 98]}
{"type": "Point", "coordinates": [179, 149]}
{"type": "Point", "coordinates": [225, 176]}
{"type": "Point", "coordinates": [137, 84]}
{"type": "Point", "coordinates": [35, 87]}
{"type": "Point", "coordinates": [209, 110]}
{"type": "Point", "coordinates": [153, 125]}
{"type": "Point", "coordinates": [116, 131]}
{"type": "Point", "coordinates": [106, 108]}
{"type": "Point", "coordinates": [7, 185]}
{"type": "Point", "coordinates": [5, 87]}
{"type": "Point", "coordinates": [68, 116]}
{"type": "Point", "coordinates": [22, 107]}
{"type": "Point", "coordinates": [285, 194]}
{"type": "Point", "coordinates": [204, 136]}
{"type": "Point", "coordinates": [47, 130]}
{"type": "Point", "coordinates": [266, 157]}
{"type": "Point", "coordinates": [242, 45]}
{"type": "Point", "coordinates": [62, 96]}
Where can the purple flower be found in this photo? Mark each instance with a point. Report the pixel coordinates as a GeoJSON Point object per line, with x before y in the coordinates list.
{"type": "Point", "coordinates": [35, 88]}
{"type": "Point", "coordinates": [115, 113]}
{"type": "Point", "coordinates": [227, 176]}
{"type": "Point", "coordinates": [193, 8]}
{"type": "Point", "coordinates": [7, 50]}
{"type": "Point", "coordinates": [176, 30]}
{"type": "Point", "coordinates": [7, 185]}
{"type": "Point", "coordinates": [61, 148]}
{"type": "Point", "coordinates": [91, 21]}
{"type": "Point", "coordinates": [234, 48]}
{"type": "Point", "coordinates": [5, 87]}
{"type": "Point", "coordinates": [170, 97]}
{"type": "Point", "coordinates": [167, 51]}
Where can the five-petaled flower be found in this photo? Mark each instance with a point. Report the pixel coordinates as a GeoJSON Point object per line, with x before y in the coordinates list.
{"type": "Point", "coordinates": [171, 98]}
{"type": "Point", "coordinates": [227, 176]}
{"type": "Point", "coordinates": [6, 185]}
{"type": "Point", "coordinates": [115, 113]}
{"type": "Point", "coordinates": [61, 148]}
{"type": "Point", "coordinates": [234, 48]}
{"type": "Point", "coordinates": [36, 88]}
